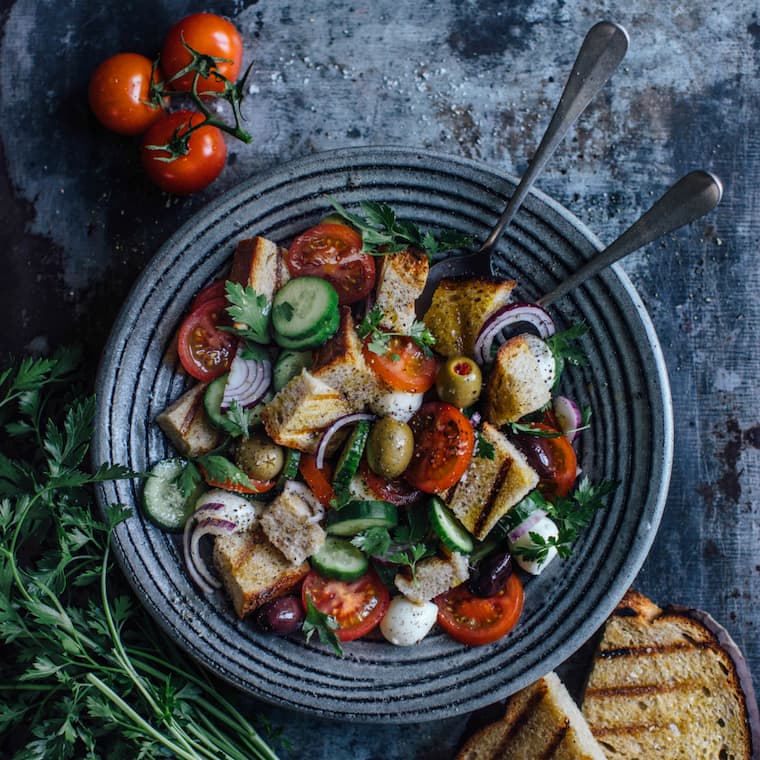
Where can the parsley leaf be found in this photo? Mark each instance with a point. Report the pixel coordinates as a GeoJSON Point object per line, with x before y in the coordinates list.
{"type": "Point", "coordinates": [324, 625]}
{"type": "Point", "coordinates": [383, 233]}
{"type": "Point", "coordinates": [563, 346]}
{"type": "Point", "coordinates": [379, 341]}
{"type": "Point", "coordinates": [221, 470]}
{"type": "Point", "coordinates": [484, 449]}
{"type": "Point", "coordinates": [249, 308]}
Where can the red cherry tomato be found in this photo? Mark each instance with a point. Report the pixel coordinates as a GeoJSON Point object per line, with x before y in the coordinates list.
{"type": "Point", "coordinates": [552, 456]}
{"type": "Point", "coordinates": [187, 173]}
{"type": "Point", "coordinates": [358, 606]}
{"type": "Point", "coordinates": [210, 35]}
{"type": "Point", "coordinates": [404, 365]}
{"type": "Point", "coordinates": [319, 481]}
{"type": "Point", "coordinates": [119, 94]}
{"type": "Point", "coordinates": [475, 621]}
{"type": "Point", "coordinates": [333, 252]}
{"type": "Point", "coordinates": [204, 350]}
{"type": "Point", "coordinates": [444, 441]}
{"type": "Point", "coordinates": [215, 290]}
{"type": "Point", "coordinates": [396, 491]}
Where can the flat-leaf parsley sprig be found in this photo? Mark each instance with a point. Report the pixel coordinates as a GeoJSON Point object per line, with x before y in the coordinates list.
{"type": "Point", "coordinates": [380, 340]}
{"type": "Point", "coordinates": [84, 672]}
{"type": "Point", "coordinates": [383, 232]}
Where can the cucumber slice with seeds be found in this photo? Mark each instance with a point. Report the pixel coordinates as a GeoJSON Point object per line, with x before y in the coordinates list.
{"type": "Point", "coordinates": [288, 365]}
{"type": "Point", "coordinates": [350, 456]}
{"type": "Point", "coordinates": [358, 516]}
{"type": "Point", "coordinates": [164, 503]}
{"type": "Point", "coordinates": [305, 312]}
{"type": "Point", "coordinates": [340, 559]}
{"type": "Point", "coordinates": [449, 530]}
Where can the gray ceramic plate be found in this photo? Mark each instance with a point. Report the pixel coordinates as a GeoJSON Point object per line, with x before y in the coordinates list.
{"type": "Point", "coordinates": [630, 441]}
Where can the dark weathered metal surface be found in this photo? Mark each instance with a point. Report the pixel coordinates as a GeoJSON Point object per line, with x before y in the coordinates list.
{"type": "Point", "coordinates": [477, 79]}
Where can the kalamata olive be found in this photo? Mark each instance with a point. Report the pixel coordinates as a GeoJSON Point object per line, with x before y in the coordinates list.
{"type": "Point", "coordinates": [390, 446]}
{"type": "Point", "coordinates": [281, 616]}
{"type": "Point", "coordinates": [459, 381]}
{"type": "Point", "coordinates": [259, 457]}
{"type": "Point", "coordinates": [491, 575]}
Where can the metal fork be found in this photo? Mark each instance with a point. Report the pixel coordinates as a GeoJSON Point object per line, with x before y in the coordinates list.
{"type": "Point", "coordinates": [602, 50]}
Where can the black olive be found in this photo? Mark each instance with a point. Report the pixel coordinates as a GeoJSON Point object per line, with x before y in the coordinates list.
{"type": "Point", "coordinates": [281, 616]}
{"type": "Point", "coordinates": [491, 575]}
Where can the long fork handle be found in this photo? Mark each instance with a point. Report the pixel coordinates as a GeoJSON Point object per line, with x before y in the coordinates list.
{"type": "Point", "coordinates": [602, 50]}
{"type": "Point", "coordinates": [691, 197]}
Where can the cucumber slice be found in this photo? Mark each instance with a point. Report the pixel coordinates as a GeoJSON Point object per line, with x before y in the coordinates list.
{"type": "Point", "coordinates": [288, 365]}
{"type": "Point", "coordinates": [163, 501]}
{"type": "Point", "coordinates": [361, 515]}
{"type": "Point", "coordinates": [289, 470]}
{"type": "Point", "coordinates": [450, 531]}
{"type": "Point", "coordinates": [302, 307]}
{"type": "Point", "coordinates": [326, 329]}
{"type": "Point", "coordinates": [212, 400]}
{"type": "Point", "coordinates": [340, 559]}
{"type": "Point", "coordinates": [350, 456]}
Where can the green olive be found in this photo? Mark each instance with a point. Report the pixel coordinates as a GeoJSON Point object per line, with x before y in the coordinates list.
{"type": "Point", "coordinates": [389, 447]}
{"type": "Point", "coordinates": [459, 382]}
{"type": "Point", "coordinates": [259, 457]}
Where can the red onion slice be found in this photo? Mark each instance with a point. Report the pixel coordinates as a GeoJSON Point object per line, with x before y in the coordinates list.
{"type": "Point", "coordinates": [347, 419]}
{"type": "Point", "coordinates": [526, 525]}
{"type": "Point", "coordinates": [568, 415]}
{"type": "Point", "coordinates": [204, 580]}
{"type": "Point", "coordinates": [511, 314]}
{"type": "Point", "coordinates": [248, 381]}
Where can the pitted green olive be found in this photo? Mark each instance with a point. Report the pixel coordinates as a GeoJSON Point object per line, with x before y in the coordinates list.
{"type": "Point", "coordinates": [389, 447]}
{"type": "Point", "coordinates": [459, 381]}
{"type": "Point", "coordinates": [259, 457]}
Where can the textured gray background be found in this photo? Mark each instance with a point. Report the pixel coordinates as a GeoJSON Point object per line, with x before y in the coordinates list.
{"type": "Point", "coordinates": [477, 79]}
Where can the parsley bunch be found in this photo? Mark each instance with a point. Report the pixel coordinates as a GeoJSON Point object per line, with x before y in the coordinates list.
{"type": "Point", "coordinates": [84, 671]}
{"type": "Point", "coordinates": [383, 232]}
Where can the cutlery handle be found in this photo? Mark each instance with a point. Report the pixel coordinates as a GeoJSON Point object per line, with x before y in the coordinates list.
{"type": "Point", "coordinates": [691, 197]}
{"type": "Point", "coordinates": [602, 50]}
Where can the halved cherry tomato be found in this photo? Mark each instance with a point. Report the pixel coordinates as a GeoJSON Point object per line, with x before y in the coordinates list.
{"type": "Point", "coordinates": [119, 94]}
{"type": "Point", "coordinates": [358, 606]}
{"type": "Point", "coordinates": [192, 171]}
{"type": "Point", "coordinates": [204, 350]}
{"type": "Point", "coordinates": [319, 481]}
{"type": "Point", "coordinates": [444, 441]}
{"type": "Point", "coordinates": [333, 252]}
{"type": "Point", "coordinates": [552, 456]}
{"type": "Point", "coordinates": [257, 486]}
{"type": "Point", "coordinates": [396, 491]}
{"type": "Point", "coordinates": [215, 290]}
{"type": "Point", "coordinates": [205, 33]}
{"type": "Point", "coordinates": [404, 365]}
{"type": "Point", "coordinates": [475, 621]}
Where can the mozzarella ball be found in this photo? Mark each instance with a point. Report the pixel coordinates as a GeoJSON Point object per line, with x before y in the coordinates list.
{"type": "Point", "coordinates": [407, 623]}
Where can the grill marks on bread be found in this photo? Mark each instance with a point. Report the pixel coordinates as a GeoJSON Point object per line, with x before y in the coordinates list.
{"type": "Point", "coordinates": [668, 684]}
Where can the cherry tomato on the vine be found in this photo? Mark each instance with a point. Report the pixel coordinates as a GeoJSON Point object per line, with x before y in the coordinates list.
{"type": "Point", "coordinates": [187, 173]}
{"type": "Point", "coordinates": [119, 94]}
{"type": "Point", "coordinates": [210, 35]}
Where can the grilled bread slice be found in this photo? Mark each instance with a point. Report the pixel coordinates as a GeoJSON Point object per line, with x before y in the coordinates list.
{"type": "Point", "coordinates": [491, 487]}
{"type": "Point", "coordinates": [541, 721]}
{"type": "Point", "coordinates": [253, 570]}
{"type": "Point", "coordinates": [299, 413]}
{"type": "Point", "coordinates": [433, 576]}
{"type": "Point", "coordinates": [521, 379]}
{"type": "Point", "coordinates": [187, 425]}
{"type": "Point", "coordinates": [459, 309]}
{"type": "Point", "coordinates": [400, 282]}
{"type": "Point", "coordinates": [670, 684]}
{"type": "Point", "coordinates": [260, 263]}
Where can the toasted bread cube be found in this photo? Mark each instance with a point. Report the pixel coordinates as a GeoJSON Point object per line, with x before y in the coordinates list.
{"type": "Point", "coordinates": [187, 425]}
{"type": "Point", "coordinates": [340, 363]}
{"type": "Point", "coordinates": [491, 487]}
{"type": "Point", "coordinates": [288, 523]}
{"type": "Point", "coordinates": [253, 570]}
{"type": "Point", "coordinates": [459, 309]}
{"type": "Point", "coordinates": [520, 381]}
{"type": "Point", "coordinates": [260, 263]}
{"type": "Point", "coordinates": [299, 413]}
{"type": "Point", "coordinates": [434, 576]}
{"type": "Point", "coordinates": [400, 283]}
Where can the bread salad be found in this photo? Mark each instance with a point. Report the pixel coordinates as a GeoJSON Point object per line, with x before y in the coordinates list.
{"type": "Point", "coordinates": [361, 469]}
